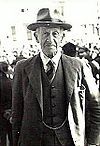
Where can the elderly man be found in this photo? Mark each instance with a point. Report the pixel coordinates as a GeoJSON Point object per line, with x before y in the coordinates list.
{"type": "Point", "coordinates": [48, 101]}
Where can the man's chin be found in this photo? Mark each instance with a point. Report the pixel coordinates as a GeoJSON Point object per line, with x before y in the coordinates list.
{"type": "Point", "coordinates": [51, 54]}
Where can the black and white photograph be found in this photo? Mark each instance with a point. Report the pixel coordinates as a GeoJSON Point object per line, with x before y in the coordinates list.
{"type": "Point", "coordinates": [49, 73]}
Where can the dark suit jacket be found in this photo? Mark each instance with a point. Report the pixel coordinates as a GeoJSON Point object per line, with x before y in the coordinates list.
{"type": "Point", "coordinates": [27, 102]}
{"type": "Point", "coordinates": [5, 99]}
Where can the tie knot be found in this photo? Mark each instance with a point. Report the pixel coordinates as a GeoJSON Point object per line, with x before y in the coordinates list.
{"type": "Point", "coordinates": [50, 70]}
{"type": "Point", "coordinates": [50, 63]}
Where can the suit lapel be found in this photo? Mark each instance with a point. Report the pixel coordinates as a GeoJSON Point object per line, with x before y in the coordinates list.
{"type": "Point", "coordinates": [71, 70]}
{"type": "Point", "coordinates": [69, 74]}
{"type": "Point", "coordinates": [33, 70]}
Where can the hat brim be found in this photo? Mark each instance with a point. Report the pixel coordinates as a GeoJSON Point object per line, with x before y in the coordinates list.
{"type": "Point", "coordinates": [34, 26]}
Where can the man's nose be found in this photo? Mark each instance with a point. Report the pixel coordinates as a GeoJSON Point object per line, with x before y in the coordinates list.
{"type": "Point", "coordinates": [50, 37]}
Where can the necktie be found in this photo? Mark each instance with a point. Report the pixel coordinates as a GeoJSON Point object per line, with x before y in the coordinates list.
{"type": "Point", "coordinates": [50, 70]}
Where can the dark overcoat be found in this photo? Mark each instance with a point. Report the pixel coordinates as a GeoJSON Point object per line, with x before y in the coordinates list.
{"type": "Point", "coordinates": [5, 100]}
{"type": "Point", "coordinates": [27, 102]}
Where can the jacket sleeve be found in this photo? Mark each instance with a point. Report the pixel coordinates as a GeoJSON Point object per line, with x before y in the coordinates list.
{"type": "Point", "coordinates": [92, 112]}
{"type": "Point", "coordinates": [17, 103]}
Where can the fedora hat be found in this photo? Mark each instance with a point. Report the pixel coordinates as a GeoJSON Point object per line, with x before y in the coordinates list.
{"type": "Point", "coordinates": [47, 18]}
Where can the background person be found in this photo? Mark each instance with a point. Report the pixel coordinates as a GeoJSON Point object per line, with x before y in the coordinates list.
{"type": "Point", "coordinates": [5, 105]}
{"type": "Point", "coordinates": [69, 49]}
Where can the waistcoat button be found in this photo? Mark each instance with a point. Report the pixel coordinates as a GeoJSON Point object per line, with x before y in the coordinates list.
{"type": "Point", "coordinates": [53, 105]}
{"type": "Point", "coordinates": [52, 86]}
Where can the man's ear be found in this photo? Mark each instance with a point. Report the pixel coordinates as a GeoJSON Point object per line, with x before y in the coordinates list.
{"type": "Point", "coordinates": [36, 37]}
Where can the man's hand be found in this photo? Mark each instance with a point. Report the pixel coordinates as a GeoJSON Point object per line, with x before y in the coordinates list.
{"type": "Point", "coordinates": [7, 114]}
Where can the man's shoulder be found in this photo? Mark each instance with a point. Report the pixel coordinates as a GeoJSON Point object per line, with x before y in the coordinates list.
{"type": "Point", "coordinates": [25, 62]}
{"type": "Point", "coordinates": [74, 61]}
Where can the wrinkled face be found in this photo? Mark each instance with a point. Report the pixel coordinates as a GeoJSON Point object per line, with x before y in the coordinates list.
{"type": "Point", "coordinates": [49, 39]}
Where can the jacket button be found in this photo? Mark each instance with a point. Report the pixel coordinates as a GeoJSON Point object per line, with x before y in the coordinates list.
{"type": "Point", "coordinates": [52, 86]}
{"type": "Point", "coordinates": [53, 105]}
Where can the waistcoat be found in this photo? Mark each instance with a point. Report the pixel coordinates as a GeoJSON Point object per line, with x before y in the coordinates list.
{"type": "Point", "coordinates": [55, 104]}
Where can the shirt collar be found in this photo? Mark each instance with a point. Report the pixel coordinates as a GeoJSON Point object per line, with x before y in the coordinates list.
{"type": "Point", "coordinates": [54, 60]}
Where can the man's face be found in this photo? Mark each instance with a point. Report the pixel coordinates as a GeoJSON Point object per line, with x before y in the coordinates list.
{"type": "Point", "coordinates": [82, 53]}
{"type": "Point", "coordinates": [49, 39]}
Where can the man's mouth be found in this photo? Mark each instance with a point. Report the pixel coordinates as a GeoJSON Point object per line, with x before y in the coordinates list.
{"type": "Point", "coordinates": [49, 45]}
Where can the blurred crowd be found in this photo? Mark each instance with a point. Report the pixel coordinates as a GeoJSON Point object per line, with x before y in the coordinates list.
{"type": "Point", "coordinates": [90, 55]}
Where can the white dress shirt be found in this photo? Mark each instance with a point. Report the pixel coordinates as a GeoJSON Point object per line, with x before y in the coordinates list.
{"type": "Point", "coordinates": [54, 60]}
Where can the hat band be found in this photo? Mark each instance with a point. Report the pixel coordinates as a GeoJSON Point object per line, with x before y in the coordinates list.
{"type": "Point", "coordinates": [50, 20]}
